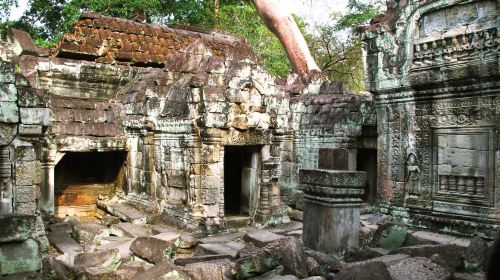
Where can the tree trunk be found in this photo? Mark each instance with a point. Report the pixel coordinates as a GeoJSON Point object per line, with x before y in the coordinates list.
{"type": "Point", "coordinates": [285, 28]}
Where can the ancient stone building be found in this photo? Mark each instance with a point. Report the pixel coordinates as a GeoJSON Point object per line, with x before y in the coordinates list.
{"type": "Point", "coordinates": [433, 69]}
{"type": "Point", "coordinates": [180, 122]}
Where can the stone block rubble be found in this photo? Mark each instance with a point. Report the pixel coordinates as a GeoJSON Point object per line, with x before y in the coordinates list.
{"type": "Point", "coordinates": [155, 251]}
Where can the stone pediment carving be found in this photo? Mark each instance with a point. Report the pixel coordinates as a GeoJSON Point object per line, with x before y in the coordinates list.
{"type": "Point", "coordinates": [456, 34]}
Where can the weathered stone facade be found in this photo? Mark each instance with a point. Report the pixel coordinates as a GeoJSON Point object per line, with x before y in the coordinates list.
{"type": "Point", "coordinates": [176, 113]}
{"type": "Point", "coordinates": [433, 69]}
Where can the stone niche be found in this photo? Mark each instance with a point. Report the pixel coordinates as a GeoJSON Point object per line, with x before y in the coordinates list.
{"type": "Point", "coordinates": [433, 69]}
{"type": "Point", "coordinates": [463, 165]}
{"type": "Point", "coordinates": [81, 177]}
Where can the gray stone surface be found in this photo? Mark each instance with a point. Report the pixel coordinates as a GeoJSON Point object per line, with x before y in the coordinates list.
{"type": "Point", "coordinates": [218, 249]}
{"type": "Point", "coordinates": [261, 237]}
{"type": "Point", "coordinates": [16, 227]}
{"type": "Point", "coordinates": [20, 256]}
{"type": "Point", "coordinates": [109, 259]}
{"type": "Point", "coordinates": [63, 242]}
{"type": "Point", "coordinates": [123, 247]}
{"type": "Point", "coordinates": [418, 268]}
{"type": "Point", "coordinates": [125, 212]}
{"type": "Point", "coordinates": [87, 232]}
{"type": "Point", "coordinates": [165, 270]}
{"type": "Point", "coordinates": [452, 255]}
{"type": "Point", "coordinates": [130, 230]}
{"type": "Point", "coordinates": [217, 270]}
{"type": "Point", "coordinates": [155, 248]}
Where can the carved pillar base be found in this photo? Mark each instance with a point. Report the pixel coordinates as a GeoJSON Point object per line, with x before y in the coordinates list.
{"type": "Point", "coordinates": [332, 201]}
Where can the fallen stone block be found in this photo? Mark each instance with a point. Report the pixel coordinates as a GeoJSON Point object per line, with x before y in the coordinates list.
{"type": "Point", "coordinates": [123, 247]}
{"type": "Point", "coordinates": [16, 227]}
{"type": "Point", "coordinates": [213, 270]}
{"type": "Point", "coordinates": [327, 262]}
{"type": "Point", "coordinates": [165, 270]}
{"type": "Point", "coordinates": [63, 266]}
{"type": "Point", "coordinates": [261, 237]}
{"type": "Point", "coordinates": [198, 259]}
{"type": "Point", "coordinates": [130, 271]}
{"type": "Point", "coordinates": [112, 239]}
{"type": "Point", "coordinates": [108, 220]}
{"type": "Point", "coordinates": [365, 253]}
{"type": "Point", "coordinates": [476, 254]}
{"type": "Point", "coordinates": [65, 227]}
{"type": "Point", "coordinates": [292, 226]}
{"type": "Point", "coordinates": [130, 230]}
{"type": "Point", "coordinates": [263, 260]}
{"type": "Point", "coordinates": [187, 240]}
{"type": "Point", "coordinates": [294, 258]}
{"type": "Point", "coordinates": [269, 274]}
{"type": "Point", "coordinates": [63, 242]}
{"type": "Point", "coordinates": [286, 251]}
{"type": "Point", "coordinates": [157, 247]}
{"type": "Point", "coordinates": [20, 256]}
{"type": "Point", "coordinates": [450, 253]}
{"type": "Point", "coordinates": [107, 258]}
{"type": "Point", "coordinates": [426, 237]}
{"type": "Point", "coordinates": [124, 212]}
{"type": "Point", "coordinates": [313, 267]}
{"type": "Point", "coordinates": [87, 232]}
{"type": "Point", "coordinates": [221, 238]}
{"type": "Point", "coordinates": [218, 249]}
{"type": "Point", "coordinates": [418, 269]}
{"type": "Point", "coordinates": [392, 267]}
{"type": "Point", "coordinates": [96, 273]}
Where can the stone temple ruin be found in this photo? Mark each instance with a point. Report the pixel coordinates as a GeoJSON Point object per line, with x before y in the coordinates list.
{"type": "Point", "coordinates": [143, 139]}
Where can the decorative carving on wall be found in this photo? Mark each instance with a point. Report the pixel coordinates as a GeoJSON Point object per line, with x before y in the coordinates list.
{"type": "Point", "coordinates": [463, 161]}
{"type": "Point", "coordinates": [461, 47]}
{"type": "Point", "coordinates": [412, 178]}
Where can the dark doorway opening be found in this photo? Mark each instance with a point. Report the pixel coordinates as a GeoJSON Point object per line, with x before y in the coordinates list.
{"type": "Point", "coordinates": [80, 177]}
{"type": "Point", "coordinates": [366, 160]}
{"type": "Point", "coordinates": [240, 179]}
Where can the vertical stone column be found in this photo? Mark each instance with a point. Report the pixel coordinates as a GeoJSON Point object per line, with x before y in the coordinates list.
{"type": "Point", "coordinates": [332, 201]}
{"type": "Point", "coordinates": [5, 181]}
{"type": "Point", "coordinates": [47, 184]}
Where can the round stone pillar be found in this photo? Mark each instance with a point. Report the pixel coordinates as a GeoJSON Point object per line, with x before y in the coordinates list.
{"type": "Point", "coordinates": [332, 201]}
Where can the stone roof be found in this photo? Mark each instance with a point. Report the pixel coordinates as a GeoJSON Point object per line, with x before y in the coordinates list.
{"type": "Point", "coordinates": [119, 41]}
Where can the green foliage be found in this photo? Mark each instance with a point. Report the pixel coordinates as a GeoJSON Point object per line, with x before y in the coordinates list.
{"type": "Point", "coordinates": [5, 6]}
{"type": "Point", "coordinates": [340, 60]}
{"type": "Point", "coordinates": [359, 11]}
{"type": "Point", "coordinates": [242, 20]}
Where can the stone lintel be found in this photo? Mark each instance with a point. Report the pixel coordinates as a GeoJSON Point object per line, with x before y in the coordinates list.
{"type": "Point", "coordinates": [333, 178]}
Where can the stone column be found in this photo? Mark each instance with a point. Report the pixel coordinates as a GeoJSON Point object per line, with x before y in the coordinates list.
{"type": "Point", "coordinates": [332, 201]}
{"type": "Point", "coordinates": [47, 184]}
{"type": "Point", "coordinates": [47, 187]}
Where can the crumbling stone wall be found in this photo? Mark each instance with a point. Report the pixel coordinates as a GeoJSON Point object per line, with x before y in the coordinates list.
{"type": "Point", "coordinates": [324, 119]}
{"type": "Point", "coordinates": [433, 68]}
{"type": "Point", "coordinates": [181, 121]}
{"type": "Point", "coordinates": [23, 234]}
{"type": "Point", "coordinates": [175, 100]}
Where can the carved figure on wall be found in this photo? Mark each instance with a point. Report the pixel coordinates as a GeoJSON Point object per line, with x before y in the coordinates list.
{"type": "Point", "coordinates": [412, 178]}
{"type": "Point", "coordinates": [5, 195]}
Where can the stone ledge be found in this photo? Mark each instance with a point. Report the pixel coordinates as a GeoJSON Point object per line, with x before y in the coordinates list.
{"type": "Point", "coordinates": [333, 178]}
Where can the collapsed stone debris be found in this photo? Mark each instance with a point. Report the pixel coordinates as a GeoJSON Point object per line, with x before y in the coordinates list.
{"type": "Point", "coordinates": [135, 151]}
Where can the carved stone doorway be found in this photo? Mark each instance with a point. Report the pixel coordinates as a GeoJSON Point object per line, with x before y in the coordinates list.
{"type": "Point", "coordinates": [241, 176]}
{"type": "Point", "coordinates": [80, 177]}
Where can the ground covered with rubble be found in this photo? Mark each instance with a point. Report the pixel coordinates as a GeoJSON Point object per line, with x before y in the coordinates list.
{"type": "Point", "coordinates": [125, 243]}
